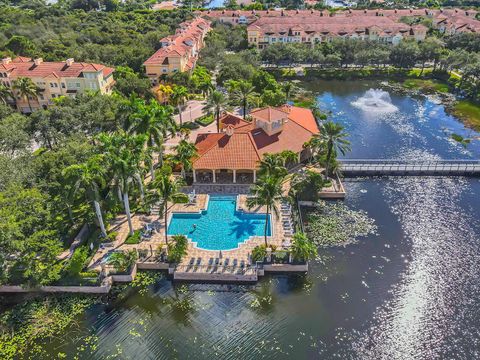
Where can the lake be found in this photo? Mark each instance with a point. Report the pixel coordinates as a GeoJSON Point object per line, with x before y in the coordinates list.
{"type": "Point", "coordinates": [410, 292]}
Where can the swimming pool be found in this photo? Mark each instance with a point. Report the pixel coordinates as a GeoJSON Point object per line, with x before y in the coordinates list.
{"type": "Point", "coordinates": [220, 227]}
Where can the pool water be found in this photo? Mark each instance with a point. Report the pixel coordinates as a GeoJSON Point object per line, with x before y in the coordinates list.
{"type": "Point", "coordinates": [220, 227]}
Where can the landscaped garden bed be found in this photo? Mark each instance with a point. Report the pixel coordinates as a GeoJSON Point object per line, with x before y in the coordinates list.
{"type": "Point", "coordinates": [205, 120]}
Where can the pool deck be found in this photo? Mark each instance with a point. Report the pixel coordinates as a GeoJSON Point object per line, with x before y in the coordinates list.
{"type": "Point", "coordinates": [236, 257]}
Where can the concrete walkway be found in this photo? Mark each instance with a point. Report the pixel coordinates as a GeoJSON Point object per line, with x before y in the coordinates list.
{"type": "Point", "coordinates": [192, 112]}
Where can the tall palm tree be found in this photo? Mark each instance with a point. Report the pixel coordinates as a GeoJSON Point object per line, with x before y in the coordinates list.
{"type": "Point", "coordinates": [243, 93]}
{"type": "Point", "coordinates": [91, 177]}
{"type": "Point", "coordinates": [26, 88]}
{"type": "Point", "coordinates": [272, 165]}
{"type": "Point", "coordinates": [179, 96]}
{"type": "Point", "coordinates": [288, 156]}
{"type": "Point", "coordinates": [216, 103]}
{"type": "Point", "coordinates": [335, 139]}
{"type": "Point", "coordinates": [267, 191]}
{"type": "Point", "coordinates": [184, 154]}
{"type": "Point", "coordinates": [288, 88]}
{"type": "Point", "coordinates": [156, 122]}
{"type": "Point", "coordinates": [166, 188]}
{"type": "Point", "coordinates": [5, 94]}
{"type": "Point", "coordinates": [124, 155]}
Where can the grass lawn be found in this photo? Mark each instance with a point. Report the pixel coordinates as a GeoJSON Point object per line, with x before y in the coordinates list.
{"type": "Point", "coordinates": [469, 113]}
{"type": "Point", "coordinates": [426, 85]}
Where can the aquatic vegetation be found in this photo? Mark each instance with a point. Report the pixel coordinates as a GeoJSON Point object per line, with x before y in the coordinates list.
{"type": "Point", "coordinates": [460, 139]}
{"type": "Point", "coordinates": [144, 280]}
{"type": "Point", "coordinates": [26, 327]}
{"type": "Point", "coordinates": [335, 224]}
{"type": "Point", "coordinates": [468, 112]}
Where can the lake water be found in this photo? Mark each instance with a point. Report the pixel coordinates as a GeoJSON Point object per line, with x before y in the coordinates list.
{"type": "Point", "coordinates": [410, 292]}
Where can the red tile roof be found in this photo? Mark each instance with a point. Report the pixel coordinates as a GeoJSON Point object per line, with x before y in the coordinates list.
{"type": "Point", "coordinates": [230, 119]}
{"type": "Point", "coordinates": [178, 43]}
{"type": "Point", "coordinates": [269, 114]}
{"type": "Point", "coordinates": [248, 144]}
{"type": "Point", "coordinates": [303, 117]}
{"type": "Point", "coordinates": [227, 152]}
{"type": "Point", "coordinates": [25, 67]}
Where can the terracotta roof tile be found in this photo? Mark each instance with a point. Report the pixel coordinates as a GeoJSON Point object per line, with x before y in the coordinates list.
{"type": "Point", "coordinates": [228, 152]}
{"type": "Point", "coordinates": [20, 67]}
{"type": "Point", "coordinates": [248, 144]}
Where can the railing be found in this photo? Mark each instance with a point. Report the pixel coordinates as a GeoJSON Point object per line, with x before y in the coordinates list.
{"type": "Point", "coordinates": [297, 217]}
{"type": "Point", "coordinates": [217, 269]}
{"type": "Point", "coordinates": [410, 167]}
{"type": "Point", "coordinates": [408, 162]}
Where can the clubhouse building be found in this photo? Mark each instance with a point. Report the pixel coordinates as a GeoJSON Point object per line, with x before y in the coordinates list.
{"type": "Point", "coordinates": [233, 155]}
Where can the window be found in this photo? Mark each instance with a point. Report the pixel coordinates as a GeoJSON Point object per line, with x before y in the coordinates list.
{"type": "Point", "coordinates": [53, 85]}
{"type": "Point", "coordinates": [63, 85]}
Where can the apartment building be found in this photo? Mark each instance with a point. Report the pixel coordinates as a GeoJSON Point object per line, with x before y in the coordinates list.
{"type": "Point", "coordinates": [313, 29]}
{"type": "Point", "coordinates": [309, 26]}
{"type": "Point", "coordinates": [54, 79]}
{"type": "Point", "coordinates": [178, 52]}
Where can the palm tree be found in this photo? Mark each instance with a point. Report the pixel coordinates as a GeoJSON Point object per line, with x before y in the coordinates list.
{"type": "Point", "coordinates": [288, 88]}
{"type": "Point", "coordinates": [124, 155]}
{"type": "Point", "coordinates": [163, 93]}
{"type": "Point", "coordinates": [288, 156]}
{"type": "Point", "coordinates": [156, 122]}
{"type": "Point", "coordinates": [267, 191]}
{"type": "Point", "coordinates": [179, 96]}
{"type": "Point", "coordinates": [216, 103]}
{"type": "Point", "coordinates": [303, 248]}
{"type": "Point", "coordinates": [184, 154]}
{"type": "Point", "coordinates": [335, 139]}
{"type": "Point", "coordinates": [272, 165]}
{"type": "Point", "coordinates": [5, 94]}
{"type": "Point", "coordinates": [26, 88]}
{"type": "Point", "coordinates": [123, 261]}
{"type": "Point", "coordinates": [243, 93]}
{"type": "Point", "coordinates": [166, 188]}
{"type": "Point", "coordinates": [90, 177]}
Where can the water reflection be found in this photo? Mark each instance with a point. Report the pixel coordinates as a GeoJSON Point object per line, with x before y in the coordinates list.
{"type": "Point", "coordinates": [412, 292]}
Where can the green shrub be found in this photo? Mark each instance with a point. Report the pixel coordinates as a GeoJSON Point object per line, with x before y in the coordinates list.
{"type": "Point", "coordinates": [77, 261]}
{"type": "Point", "coordinates": [191, 125]}
{"type": "Point", "coordinates": [111, 237]}
{"type": "Point", "coordinates": [303, 248]}
{"type": "Point", "coordinates": [123, 261]}
{"type": "Point", "coordinates": [259, 253]}
{"type": "Point", "coordinates": [133, 239]}
{"type": "Point", "coordinates": [205, 120]}
{"type": "Point", "coordinates": [177, 248]}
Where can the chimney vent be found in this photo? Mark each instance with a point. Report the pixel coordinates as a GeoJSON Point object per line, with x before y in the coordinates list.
{"type": "Point", "coordinates": [38, 61]}
{"type": "Point", "coordinates": [6, 60]}
{"type": "Point", "coordinates": [70, 61]}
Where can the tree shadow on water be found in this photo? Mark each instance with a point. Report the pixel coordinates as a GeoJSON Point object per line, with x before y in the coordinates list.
{"type": "Point", "coordinates": [242, 228]}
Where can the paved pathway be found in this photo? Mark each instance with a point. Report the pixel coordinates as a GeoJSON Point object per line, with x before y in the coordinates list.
{"type": "Point", "coordinates": [192, 112]}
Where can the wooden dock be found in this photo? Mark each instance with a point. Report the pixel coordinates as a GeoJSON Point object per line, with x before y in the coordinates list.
{"type": "Point", "coordinates": [380, 167]}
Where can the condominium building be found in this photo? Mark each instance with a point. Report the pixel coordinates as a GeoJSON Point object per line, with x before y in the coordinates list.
{"type": "Point", "coordinates": [313, 29]}
{"type": "Point", "coordinates": [54, 79]}
{"type": "Point", "coordinates": [309, 26]}
{"type": "Point", "coordinates": [178, 52]}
